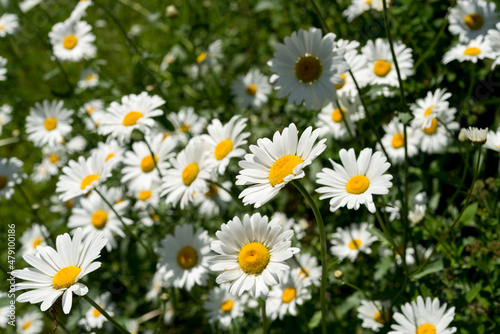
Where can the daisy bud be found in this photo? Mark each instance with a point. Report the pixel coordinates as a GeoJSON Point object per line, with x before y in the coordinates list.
{"type": "Point", "coordinates": [338, 274]}
{"type": "Point", "coordinates": [475, 135]}
{"type": "Point", "coordinates": [171, 12]}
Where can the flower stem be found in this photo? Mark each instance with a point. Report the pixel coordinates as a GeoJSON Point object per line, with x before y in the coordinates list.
{"type": "Point", "coordinates": [322, 237]}
{"type": "Point", "coordinates": [320, 16]}
{"type": "Point", "coordinates": [264, 316]}
{"type": "Point", "coordinates": [152, 154]}
{"type": "Point", "coordinates": [105, 314]}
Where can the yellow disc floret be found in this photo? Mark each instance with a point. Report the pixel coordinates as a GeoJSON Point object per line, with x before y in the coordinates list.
{"type": "Point", "coordinates": [70, 41]}
{"type": "Point", "coordinates": [96, 313]}
{"type": "Point", "coordinates": [357, 184]}
{"type": "Point", "coordinates": [398, 140]}
{"type": "Point", "coordinates": [433, 128]}
{"type": "Point", "coordinates": [131, 118]}
{"type": "Point", "coordinates": [253, 258]}
{"type": "Point", "coordinates": [382, 68]}
{"type": "Point", "coordinates": [340, 85]}
{"type": "Point", "coordinates": [472, 51]}
{"type": "Point", "coordinates": [251, 90]}
{"type": "Point", "coordinates": [227, 306]}
{"type": "Point", "coordinates": [65, 277]}
{"type": "Point", "coordinates": [474, 21]}
{"type": "Point", "coordinates": [144, 195]}
{"type": "Point", "coordinates": [201, 57]}
{"type": "Point", "coordinates": [381, 317]}
{"type": "Point", "coordinates": [283, 167]}
{"type": "Point", "coordinates": [187, 257]}
{"type": "Point", "coordinates": [288, 295]}
{"type": "Point", "coordinates": [88, 180]}
{"type": "Point", "coordinates": [99, 219]}
{"type": "Point", "coordinates": [308, 69]}
{"type": "Point", "coordinates": [190, 173]}
{"type": "Point", "coordinates": [426, 329]}
{"type": "Point", "coordinates": [37, 242]}
{"type": "Point", "coordinates": [354, 244]}
{"type": "Point", "coordinates": [50, 123]}
{"type": "Point", "coordinates": [148, 164]}
{"type": "Point", "coordinates": [223, 148]}
{"type": "Point", "coordinates": [337, 115]}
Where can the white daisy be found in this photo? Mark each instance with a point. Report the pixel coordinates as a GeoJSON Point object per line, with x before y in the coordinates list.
{"type": "Point", "coordinates": [75, 145]}
{"type": "Point", "coordinates": [358, 7]}
{"type": "Point", "coordinates": [213, 198]}
{"type": "Point", "coordinates": [110, 150]}
{"type": "Point", "coordinates": [223, 307]}
{"type": "Point", "coordinates": [3, 68]}
{"type": "Point", "coordinates": [424, 317]}
{"type": "Point", "coordinates": [475, 49]}
{"type": "Point", "coordinates": [186, 122]}
{"type": "Point", "coordinates": [394, 210]}
{"type": "Point", "coordinates": [476, 136]}
{"type": "Point", "coordinates": [306, 67]}
{"type": "Point", "coordinates": [349, 242]}
{"type": "Point", "coordinates": [357, 64]}
{"type": "Point", "coordinates": [57, 272]}
{"type": "Point", "coordinates": [185, 254]}
{"type": "Point", "coordinates": [187, 175]}
{"type": "Point", "coordinates": [93, 318]}
{"type": "Point", "coordinates": [472, 18]}
{"type": "Point", "coordinates": [146, 196]}
{"type": "Point", "coordinates": [160, 280]}
{"type": "Point", "coordinates": [207, 59]}
{"type": "Point", "coordinates": [43, 171]}
{"type": "Point", "coordinates": [333, 118]}
{"type": "Point", "coordinates": [417, 213]}
{"type": "Point", "coordinates": [32, 238]}
{"type": "Point", "coordinates": [394, 141]}
{"type": "Point", "coordinates": [140, 168]}
{"type": "Point", "coordinates": [11, 173]}
{"type": "Point", "coordinates": [309, 271]}
{"type": "Point", "coordinates": [134, 112]}
{"type": "Point", "coordinates": [5, 116]}
{"type": "Point", "coordinates": [48, 123]}
{"type": "Point", "coordinates": [375, 314]}
{"type": "Point", "coordinates": [272, 164]}
{"type": "Point", "coordinates": [30, 323]}
{"type": "Point", "coordinates": [493, 140]}
{"type": "Point", "coordinates": [251, 90]}
{"type": "Point", "coordinates": [289, 224]}
{"type": "Point", "coordinates": [9, 23]}
{"type": "Point", "coordinates": [493, 38]}
{"type": "Point", "coordinates": [73, 41]}
{"type": "Point", "coordinates": [355, 181]}
{"type": "Point", "coordinates": [224, 142]}
{"type": "Point", "coordinates": [95, 112]}
{"type": "Point", "coordinates": [251, 253]}
{"type": "Point", "coordinates": [285, 297]}
{"type": "Point", "coordinates": [88, 78]}
{"type": "Point", "coordinates": [425, 109]}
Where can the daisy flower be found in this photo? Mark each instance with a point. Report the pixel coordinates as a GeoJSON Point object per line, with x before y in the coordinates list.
{"type": "Point", "coordinates": [186, 122]}
{"type": "Point", "coordinates": [224, 142]}
{"type": "Point", "coordinates": [95, 111]}
{"type": "Point", "coordinates": [93, 318]}
{"type": "Point", "coordinates": [213, 198]}
{"type": "Point", "coordinates": [159, 281]}
{"type": "Point", "coordinates": [251, 90]}
{"type": "Point", "coordinates": [358, 7]}
{"type": "Point", "coordinates": [187, 175]}
{"type": "Point", "coordinates": [5, 117]}
{"type": "Point", "coordinates": [394, 141]}
{"type": "Point", "coordinates": [357, 64]}
{"type": "Point", "coordinates": [57, 273]}
{"type": "Point", "coordinates": [394, 210]}
{"type": "Point", "coordinates": [472, 18]}
{"type": "Point", "coordinates": [333, 117]}
{"type": "Point", "coordinates": [134, 112]}
{"type": "Point", "coordinates": [476, 136]}
{"type": "Point", "coordinates": [110, 150]}
{"type": "Point", "coordinates": [146, 196]}
{"type": "Point", "coordinates": [9, 23]}
{"type": "Point", "coordinates": [272, 164]}
{"type": "Point", "coordinates": [309, 271]}
{"type": "Point", "coordinates": [88, 78]}
{"type": "Point", "coordinates": [251, 253]}
{"type": "Point", "coordinates": [95, 215]}
{"type": "Point", "coordinates": [11, 173]}
{"type": "Point", "coordinates": [417, 213]}
{"type": "Point", "coordinates": [42, 172]}
{"type": "Point", "coordinates": [355, 181]}
{"type": "Point", "coordinates": [427, 316]}
{"type": "Point", "coordinates": [73, 40]}
{"type": "Point", "coordinates": [32, 238]}
{"type": "Point", "coordinates": [3, 69]}
{"type": "Point", "coordinates": [185, 255]}
{"type": "Point", "coordinates": [307, 67]}
{"type": "Point", "coordinates": [207, 59]}
{"type": "Point", "coordinates": [222, 307]}
{"type": "Point", "coordinates": [374, 314]}
{"type": "Point", "coordinates": [379, 60]}
{"type": "Point", "coordinates": [30, 323]}
{"type": "Point", "coordinates": [140, 168]}
{"type": "Point", "coordinates": [81, 176]}
{"type": "Point", "coordinates": [493, 38]}
{"type": "Point", "coordinates": [493, 140]}
{"type": "Point", "coordinates": [285, 297]}
{"type": "Point", "coordinates": [48, 123]}
{"type": "Point", "coordinates": [425, 109]}
{"type": "Point", "coordinates": [475, 49]}
{"type": "Point", "coordinates": [349, 242]}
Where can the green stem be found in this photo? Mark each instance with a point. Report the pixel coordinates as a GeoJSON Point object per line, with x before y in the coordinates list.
{"type": "Point", "coordinates": [105, 314]}
{"type": "Point", "coordinates": [265, 324]}
{"type": "Point", "coordinates": [322, 237]}
{"type": "Point", "coordinates": [320, 16]}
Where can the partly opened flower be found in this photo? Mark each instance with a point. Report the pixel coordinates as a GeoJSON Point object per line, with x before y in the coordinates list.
{"type": "Point", "coordinates": [56, 273]}
{"type": "Point", "coordinates": [374, 314]}
{"type": "Point", "coordinates": [349, 242]}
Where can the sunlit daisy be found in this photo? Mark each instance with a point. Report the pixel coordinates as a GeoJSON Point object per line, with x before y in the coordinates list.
{"type": "Point", "coordinates": [422, 317]}
{"type": "Point", "coordinates": [472, 18]}
{"type": "Point", "coordinates": [187, 123]}
{"type": "Point", "coordinates": [93, 318]}
{"type": "Point", "coordinates": [251, 90]}
{"type": "Point", "coordinates": [475, 135]}
{"type": "Point", "coordinates": [185, 254]}
{"type": "Point", "coordinates": [375, 314]}
{"type": "Point", "coordinates": [493, 38]}
{"type": "Point", "coordinates": [213, 198]}
{"type": "Point", "coordinates": [333, 117]}
{"type": "Point", "coordinates": [493, 140]}
{"type": "Point", "coordinates": [5, 116]}
{"type": "Point", "coordinates": [88, 78]}
{"type": "Point", "coordinates": [3, 69]}
{"type": "Point", "coordinates": [110, 151]}
{"type": "Point", "coordinates": [307, 67]}
{"type": "Point", "coordinates": [355, 181]}
{"type": "Point", "coordinates": [29, 323]}
{"type": "Point", "coordinates": [134, 112]}
{"type": "Point", "coordinates": [9, 23]}
{"type": "Point", "coordinates": [48, 123]}
{"type": "Point", "coordinates": [474, 50]}
{"type": "Point", "coordinates": [225, 141]}
{"type": "Point", "coordinates": [147, 196]}
{"type": "Point", "coordinates": [32, 238]}
{"type": "Point", "coordinates": [73, 41]}
{"type": "Point", "coordinates": [358, 7]}
{"type": "Point", "coordinates": [425, 109]}
{"type": "Point", "coordinates": [272, 164]}
{"type": "Point", "coordinates": [11, 173]}
{"type": "Point", "coordinates": [394, 141]}
{"type": "Point", "coordinates": [349, 242]}
{"type": "Point", "coordinates": [309, 269]}
{"type": "Point", "coordinates": [57, 272]}
{"type": "Point", "coordinates": [223, 307]}
{"type": "Point", "coordinates": [251, 253]}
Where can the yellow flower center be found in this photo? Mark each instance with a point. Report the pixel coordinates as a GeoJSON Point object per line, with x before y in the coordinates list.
{"type": "Point", "coordinates": [144, 195]}
{"type": "Point", "coordinates": [398, 140]}
{"type": "Point", "coordinates": [109, 156]}
{"type": "Point", "coordinates": [70, 41]}
{"type": "Point", "coordinates": [131, 118]}
{"type": "Point", "coordinates": [251, 90]}
{"type": "Point", "coordinates": [90, 110]}
{"type": "Point", "coordinates": [368, 2]}
{"type": "Point", "coordinates": [308, 69]}
{"type": "Point", "coordinates": [223, 148]}
{"type": "Point", "coordinates": [65, 277]}
{"type": "Point", "coordinates": [357, 184]}
{"type": "Point", "coordinates": [304, 272]}
{"type": "Point", "coordinates": [472, 51]}
{"type": "Point", "coordinates": [3, 181]}
{"type": "Point", "coordinates": [201, 57]}
{"type": "Point", "coordinates": [90, 77]}
{"type": "Point", "coordinates": [227, 306]}
{"type": "Point", "coordinates": [382, 68]}
{"type": "Point", "coordinates": [428, 111]}
{"type": "Point", "coordinates": [187, 257]}
{"type": "Point", "coordinates": [381, 317]}
{"type": "Point", "coordinates": [27, 325]}
{"type": "Point", "coordinates": [88, 180]}
{"type": "Point", "coordinates": [340, 85]}
{"type": "Point", "coordinates": [212, 192]}
{"type": "Point", "coordinates": [99, 219]}
{"type": "Point", "coordinates": [426, 329]}
{"type": "Point", "coordinates": [474, 21]}
{"type": "Point", "coordinates": [433, 128]}
{"type": "Point", "coordinates": [337, 116]}
{"type": "Point", "coordinates": [69, 204]}
{"type": "Point", "coordinates": [184, 128]}
{"type": "Point", "coordinates": [283, 167]}
{"type": "Point", "coordinates": [96, 313]}
{"type": "Point", "coordinates": [54, 158]}
{"type": "Point", "coordinates": [2, 27]}
{"type": "Point", "coordinates": [354, 244]}
{"type": "Point", "coordinates": [253, 258]}
{"type": "Point", "coordinates": [190, 173]}
{"type": "Point", "coordinates": [148, 164]}
{"type": "Point", "coordinates": [50, 123]}
{"type": "Point", "coordinates": [288, 295]}
{"type": "Point", "coordinates": [37, 242]}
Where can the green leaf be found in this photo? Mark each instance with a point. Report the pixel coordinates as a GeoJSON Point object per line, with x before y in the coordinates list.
{"type": "Point", "coordinates": [404, 117]}
{"type": "Point", "coordinates": [472, 293]}
{"type": "Point", "coordinates": [429, 269]}
{"type": "Point", "coordinates": [315, 320]}
{"type": "Point", "coordinates": [331, 265]}
{"type": "Point", "coordinates": [469, 214]}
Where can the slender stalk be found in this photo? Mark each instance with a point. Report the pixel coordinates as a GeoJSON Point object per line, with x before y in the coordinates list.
{"type": "Point", "coordinates": [322, 237]}
{"type": "Point", "coordinates": [320, 16]}
{"type": "Point", "coordinates": [265, 324]}
{"type": "Point", "coordinates": [343, 118]}
{"type": "Point", "coordinates": [105, 314]}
